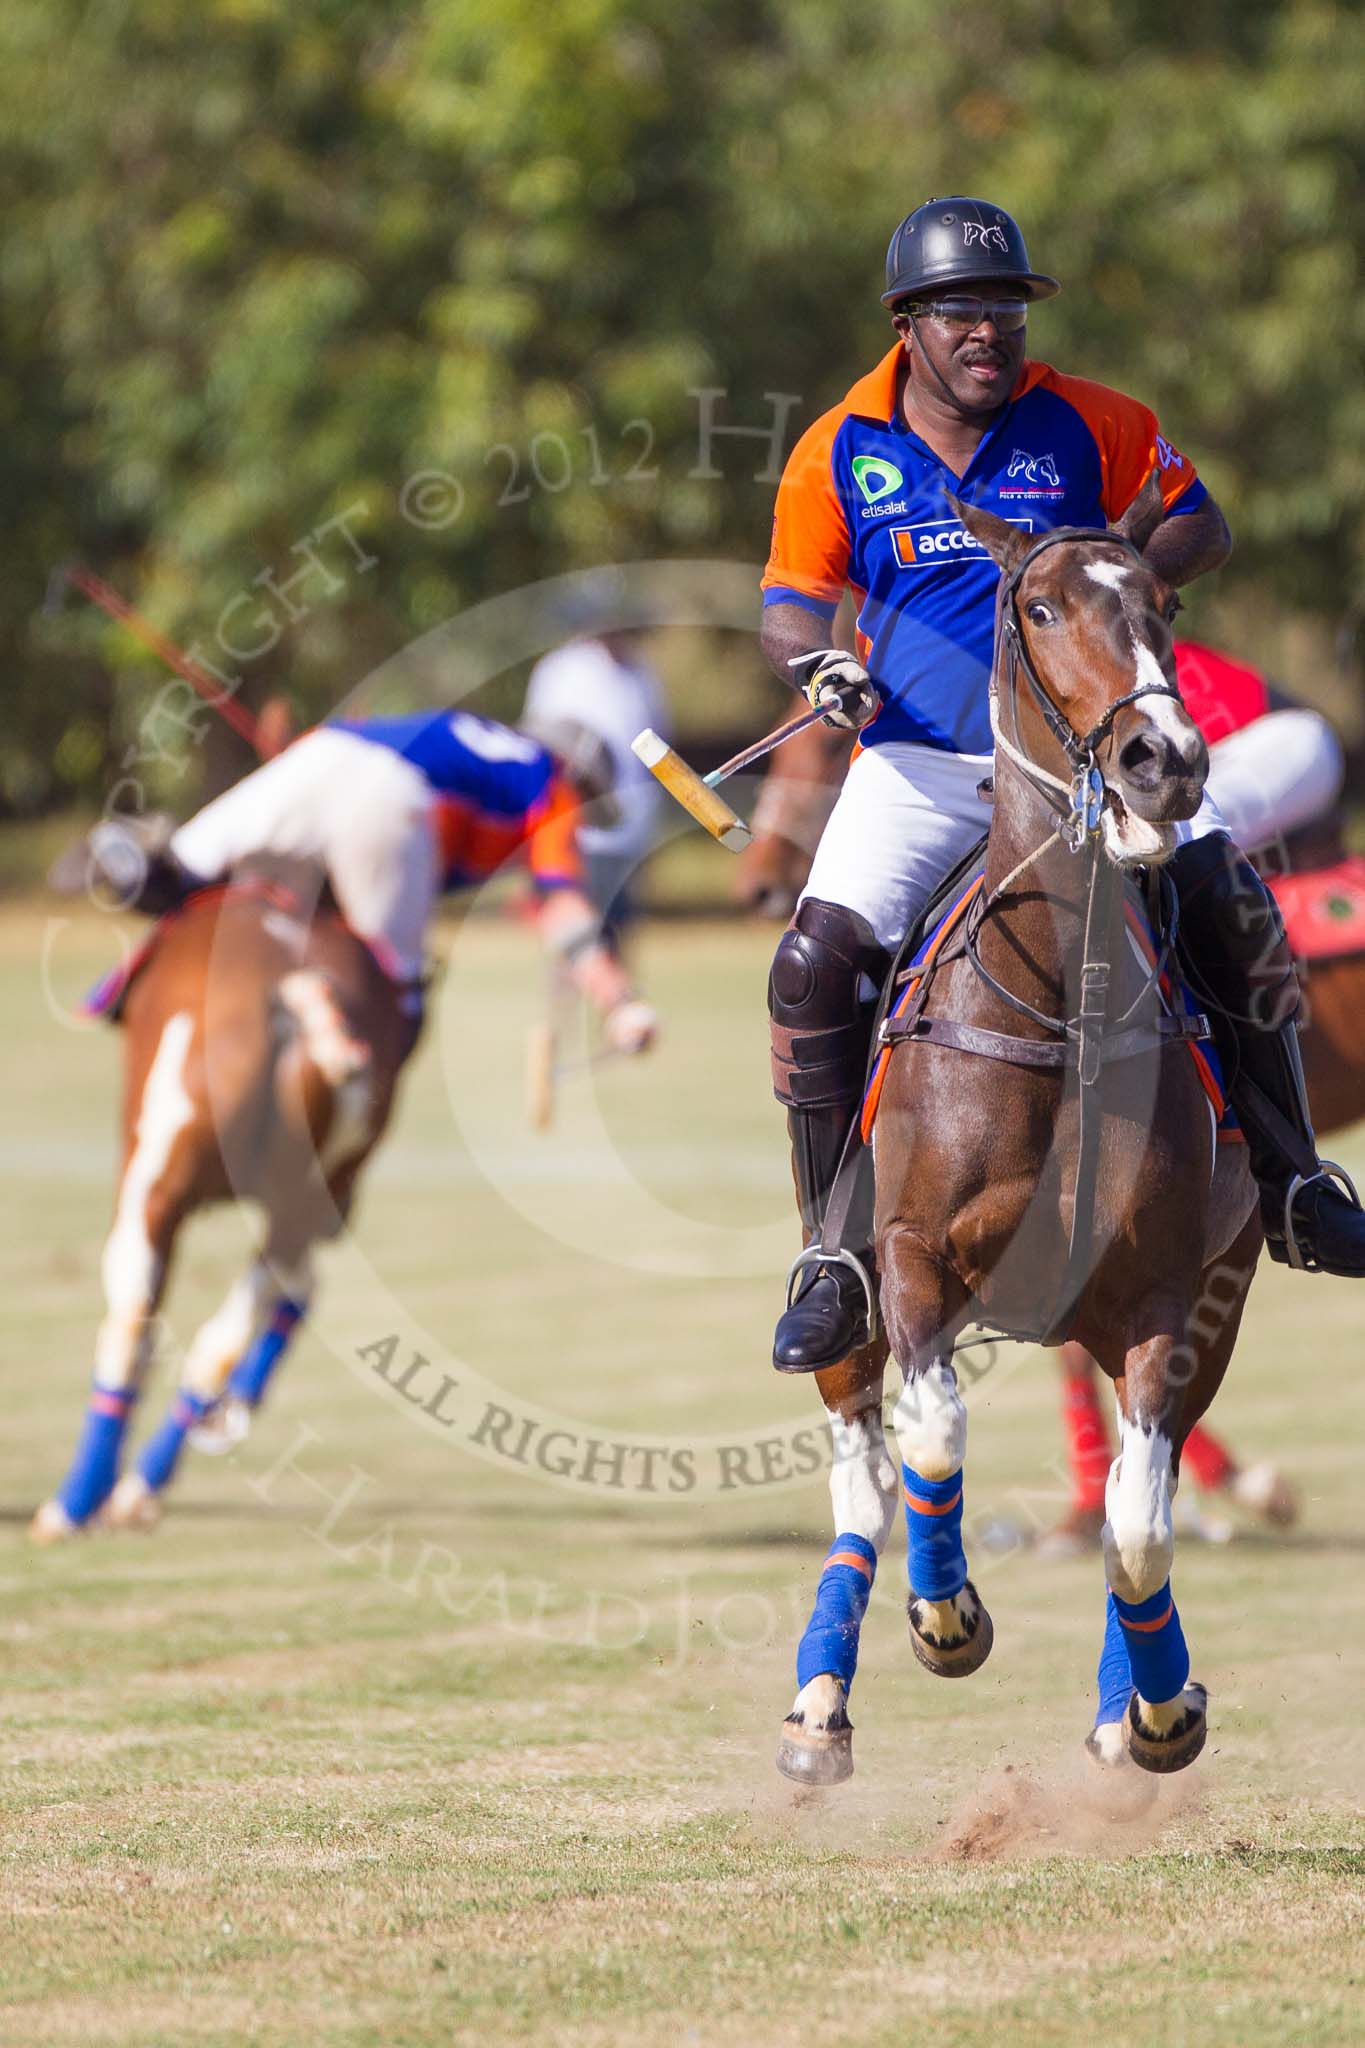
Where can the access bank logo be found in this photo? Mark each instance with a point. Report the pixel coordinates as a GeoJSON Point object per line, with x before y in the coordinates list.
{"type": "Point", "coordinates": [940, 541]}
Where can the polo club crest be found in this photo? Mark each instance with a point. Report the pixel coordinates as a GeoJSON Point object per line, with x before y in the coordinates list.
{"type": "Point", "coordinates": [1034, 468]}
{"type": "Point", "coordinates": [977, 236]}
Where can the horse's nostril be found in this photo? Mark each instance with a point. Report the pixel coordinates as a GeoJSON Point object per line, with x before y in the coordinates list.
{"type": "Point", "coordinates": [1140, 760]}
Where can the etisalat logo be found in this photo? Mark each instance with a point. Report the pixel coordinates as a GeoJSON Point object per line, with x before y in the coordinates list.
{"type": "Point", "coordinates": [878, 480]}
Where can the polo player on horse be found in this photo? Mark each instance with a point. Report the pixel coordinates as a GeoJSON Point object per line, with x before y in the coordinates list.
{"type": "Point", "coordinates": [393, 811]}
{"type": "Point", "coordinates": [957, 408]}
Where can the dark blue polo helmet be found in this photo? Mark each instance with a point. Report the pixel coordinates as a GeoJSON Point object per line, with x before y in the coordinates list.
{"type": "Point", "coordinates": [950, 242]}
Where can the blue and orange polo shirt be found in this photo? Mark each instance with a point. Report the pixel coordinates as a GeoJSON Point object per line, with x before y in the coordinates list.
{"type": "Point", "coordinates": [497, 794]}
{"type": "Point", "coordinates": [863, 503]}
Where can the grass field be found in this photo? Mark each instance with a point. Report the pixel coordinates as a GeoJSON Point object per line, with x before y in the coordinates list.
{"type": "Point", "coordinates": [445, 1710]}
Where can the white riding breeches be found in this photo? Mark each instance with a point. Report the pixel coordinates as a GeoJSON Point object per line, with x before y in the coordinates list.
{"type": "Point", "coordinates": [905, 816]}
{"type": "Point", "coordinates": [1276, 774]}
{"type": "Point", "coordinates": [353, 811]}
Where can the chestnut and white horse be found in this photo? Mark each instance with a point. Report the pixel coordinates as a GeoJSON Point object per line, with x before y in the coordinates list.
{"type": "Point", "coordinates": [262, 1048]}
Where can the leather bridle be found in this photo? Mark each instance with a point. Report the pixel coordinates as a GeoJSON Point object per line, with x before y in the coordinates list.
{"type": "Point", "coordinates": [1083, 800]}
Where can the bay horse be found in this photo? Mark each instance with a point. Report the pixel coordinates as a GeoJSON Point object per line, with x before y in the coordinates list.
{"type": "Point", "coordinates": [1009, 1197]}
{"type": "Point", "coordinates": [262, 1047]}
{"type": "Point", "coordinates": [797, 794]}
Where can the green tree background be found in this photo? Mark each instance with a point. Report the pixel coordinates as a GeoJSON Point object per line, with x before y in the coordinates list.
{"type": "Point", "coordinates": [264, 261]}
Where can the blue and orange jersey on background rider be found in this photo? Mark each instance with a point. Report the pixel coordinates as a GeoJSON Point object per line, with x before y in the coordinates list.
{"type": "Point", "coordinates": [497, 795]}
{"type": "Point", "coordinates": [863, 503]}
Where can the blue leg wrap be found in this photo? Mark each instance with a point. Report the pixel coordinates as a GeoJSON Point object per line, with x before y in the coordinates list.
{"type": "Point", "coordinates": [161, 1452]}
{"type": "Point", "coordinates": [1115, 1678]}
{"type": "Point", "coordinates": [251, 1374]}
{"type": "Point", "coordinates": [94, 1469]}
{"type": "Point", "coordinates": [1157, 1657]}
{"type": "Point", "coordinates": [933, 1523]}
{"type": "Point", "coordinates": [831, 1639]}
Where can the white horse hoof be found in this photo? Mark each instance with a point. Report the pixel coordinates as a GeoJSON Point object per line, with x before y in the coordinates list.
{"type": "Point", "coordinates": [132, 1504]}
{"type": "Point", "coordinates": [815, 1756]}
{"type": "Point", "coordinates": [221, 1430]}
{"type": "Point", "coordinates": [52, 1524]}
{"type": "Point", "coordinates": [1116, 1787]}
{"type": "Point", "coordinates": [1263, 1490]}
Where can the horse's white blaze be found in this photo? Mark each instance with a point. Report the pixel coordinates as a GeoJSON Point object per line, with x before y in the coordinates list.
{"type": "Point", "coordinates": [931, 1422]}
{"type": "Point", "coordinates": [862, 1480]}
{"type": "Point", "coordinates": [220, 1342]}
{"type": "Point", "coordinates": [1170, 718]}
{"type": "Point", "coordinates": [1139, 1540]}
{"type": "Point", "coordinates": [820, 1700]}
{"type": "Point", "coordinates": [1111, 574]}
{"type": "Point", "coordinates": [131, 1268]}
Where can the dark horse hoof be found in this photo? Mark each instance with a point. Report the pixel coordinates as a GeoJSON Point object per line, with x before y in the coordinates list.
{"type": "Point", "coordinates": [815, 1756]}
{"type": "Point", "coordinates": [944, 1656]}
{"type": "Point", "coordinates": [1177, 1745]}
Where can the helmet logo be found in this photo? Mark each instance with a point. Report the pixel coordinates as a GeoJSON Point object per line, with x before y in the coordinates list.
{"type": "Point", "coordinates": [875, 479]}
{"type": "Point", "coordinates": [975, 236]}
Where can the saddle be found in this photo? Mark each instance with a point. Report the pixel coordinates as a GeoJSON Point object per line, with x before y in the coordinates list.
{"type": "Point", "coordinates": [109, 995]}
{"type": "Point", "coordinates": [907, 988]}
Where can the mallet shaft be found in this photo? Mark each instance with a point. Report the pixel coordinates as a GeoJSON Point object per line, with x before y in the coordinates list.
{"type": "Point", "coordinates": [109, 601]}
{"type": "Point", "coordinates": [760, 748]}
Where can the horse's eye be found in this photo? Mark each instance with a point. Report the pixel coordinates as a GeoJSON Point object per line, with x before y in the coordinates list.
{"type": "Point", "coordinates": [1173, 605]}
{"type": "Point", "coordinates": [1040, 614]}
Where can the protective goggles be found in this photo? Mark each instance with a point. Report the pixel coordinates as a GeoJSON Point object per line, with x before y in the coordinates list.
{"type": "Point", "coordinates": [961, 315]}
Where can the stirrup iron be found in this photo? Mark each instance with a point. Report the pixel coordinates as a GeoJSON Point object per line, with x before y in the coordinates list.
{"type": "Point", "coordinates": [1328, 1170]}
{"type": "Point", "coordinates": [815, 1255]}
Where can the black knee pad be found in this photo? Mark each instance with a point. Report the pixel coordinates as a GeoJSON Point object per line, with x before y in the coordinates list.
{"type": "Point", "coordinates": [821, 1022]}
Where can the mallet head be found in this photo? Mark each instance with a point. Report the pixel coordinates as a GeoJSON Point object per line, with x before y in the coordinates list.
{"type": "Point", "coordinates": [686, 787]}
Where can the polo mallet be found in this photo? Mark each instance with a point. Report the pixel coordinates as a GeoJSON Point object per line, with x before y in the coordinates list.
{"type": "Point", "coordinates": [697, 793]}
{"type": "Point", "coordinates": [107, 598]}
{"type": "Point", "coordinates": [544, 1067]}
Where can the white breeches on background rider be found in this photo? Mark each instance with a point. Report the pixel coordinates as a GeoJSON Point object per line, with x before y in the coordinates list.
{"type": "Point", "coordinates": [338, 804]}
{"type": "Point", "coordinates": [905, 816]}
{"type": "Point", "coordinates": [1276, 774]}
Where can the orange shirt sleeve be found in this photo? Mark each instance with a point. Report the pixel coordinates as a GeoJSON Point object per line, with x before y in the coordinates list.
{"type": "Point", "coordinates": [1131, 445]}
{"type": "Point", "coordinates": [552, 847]}
{"type": "Point", "coordinates": [811, 547]}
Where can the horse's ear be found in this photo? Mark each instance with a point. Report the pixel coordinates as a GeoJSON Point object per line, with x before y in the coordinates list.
{"type": "Point", "coordinates": [1004, 543]}
{"type": "Point", "coordinates": [1144, 515]}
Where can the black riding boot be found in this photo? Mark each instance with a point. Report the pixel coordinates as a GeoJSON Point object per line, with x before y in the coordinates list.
{"type": "Point", "coordinates": [144, 877]}
{"type": "Point", "coordinates": [828, 1315]}
{"type": "Point", "coordinates": [821, 1026]}
{"type": "Point", "coordinates": [1237, 959]}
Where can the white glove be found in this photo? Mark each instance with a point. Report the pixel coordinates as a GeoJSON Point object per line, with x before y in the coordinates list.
{"type": "Point", "coordinates": [837, 684]}
{"type": "Point", "coordinates": [631, 1027]}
